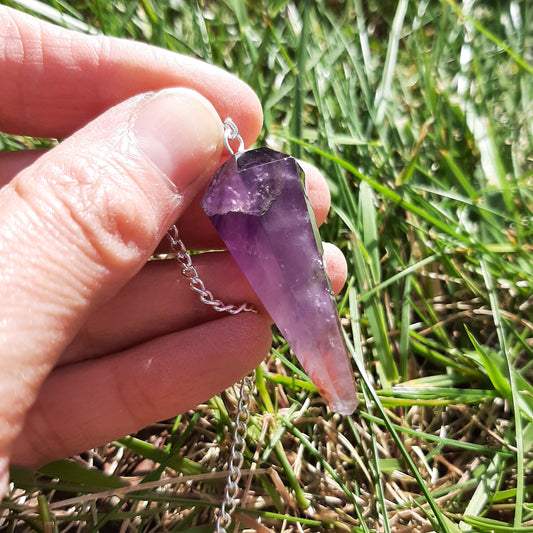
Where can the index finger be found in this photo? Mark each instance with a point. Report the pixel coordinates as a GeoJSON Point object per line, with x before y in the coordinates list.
{"type": "Point", "coordinates": [55, 80]}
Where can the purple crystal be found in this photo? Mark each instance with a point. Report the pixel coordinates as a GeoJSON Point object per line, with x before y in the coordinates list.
{"type": "Point", "coordinates": [257, 203]}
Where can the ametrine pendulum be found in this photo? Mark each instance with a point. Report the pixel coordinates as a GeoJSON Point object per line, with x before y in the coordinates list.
{"type": "Point", "coordinates": [258, 205]}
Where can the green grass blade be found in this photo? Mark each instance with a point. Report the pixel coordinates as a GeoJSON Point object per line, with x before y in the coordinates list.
{"type": "Point", "coordinates": [514, 399]}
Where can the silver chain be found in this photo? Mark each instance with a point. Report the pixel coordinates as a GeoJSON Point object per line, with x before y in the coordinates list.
{"type": "Point", "coordinates": [242, 417]}
{"type": "Point", "coordinates": [236, 455]}
{"type": "Point", "coordinates": [197, 285]}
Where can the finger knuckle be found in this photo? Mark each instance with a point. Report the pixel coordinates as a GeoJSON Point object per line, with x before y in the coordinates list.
{"type": "Point", "coordinates": [96, 204]}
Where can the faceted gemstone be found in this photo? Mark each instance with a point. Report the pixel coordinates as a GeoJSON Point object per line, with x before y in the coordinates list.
{"type": "Point", "coordinates": [258, 205]}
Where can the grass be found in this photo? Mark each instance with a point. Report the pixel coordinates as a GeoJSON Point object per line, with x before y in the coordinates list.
{"type": "Point", "coordinates": [420, 114]}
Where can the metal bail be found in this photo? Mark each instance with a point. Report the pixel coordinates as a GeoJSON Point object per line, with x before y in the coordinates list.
{"type": "Point", "coordinates": [231, 132]}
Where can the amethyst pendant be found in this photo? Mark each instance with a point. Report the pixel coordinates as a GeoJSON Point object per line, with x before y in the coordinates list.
{"type": "Point", "coordinates": [257, 203]}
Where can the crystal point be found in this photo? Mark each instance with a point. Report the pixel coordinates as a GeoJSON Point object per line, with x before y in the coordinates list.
{"type": "Point", "coordinates": [257, 203]}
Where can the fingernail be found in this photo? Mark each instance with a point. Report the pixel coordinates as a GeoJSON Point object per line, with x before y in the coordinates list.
{"type": "Point", "coordinates": [181, 134]}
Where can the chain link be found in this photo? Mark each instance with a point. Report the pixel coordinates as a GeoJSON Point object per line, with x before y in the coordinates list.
{"type": "Point", "coordinates": [240, 431]}
{"type": "Point", "coordinates": [231, 132]}
{"type": "Point", "coordinates": [236, 455]}
{"type": "Point", "coordinates": [197, 285]}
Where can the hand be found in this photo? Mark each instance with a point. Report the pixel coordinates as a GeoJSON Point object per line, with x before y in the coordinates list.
{"type": "Point", "coordinates": [95, 342]}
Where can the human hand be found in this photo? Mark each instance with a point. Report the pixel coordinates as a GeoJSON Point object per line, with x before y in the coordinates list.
{"type": "Point", "coordinates": [94, 342]}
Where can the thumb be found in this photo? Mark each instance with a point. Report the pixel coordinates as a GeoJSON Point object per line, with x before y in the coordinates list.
{"type": "Point", "coordinates": [82, 220]}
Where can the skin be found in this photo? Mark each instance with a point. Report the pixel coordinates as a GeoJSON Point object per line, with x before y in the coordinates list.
{"type": "Point", "coordinates": [95, 342]}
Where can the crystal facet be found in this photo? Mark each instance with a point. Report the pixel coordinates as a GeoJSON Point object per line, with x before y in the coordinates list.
{"type": "Point", "coordinates": [258, 205]}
